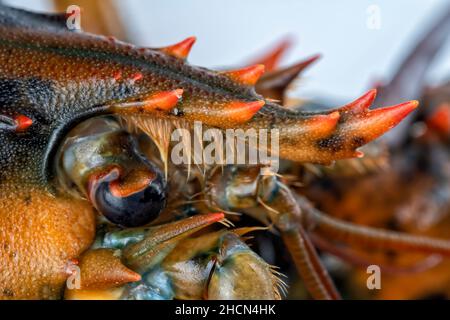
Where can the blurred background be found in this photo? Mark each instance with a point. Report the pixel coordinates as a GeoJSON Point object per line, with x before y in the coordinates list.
{"type": "Point", "coordinates": [361, 41]}
{"type": "Point", "coordinates": [403, 182]}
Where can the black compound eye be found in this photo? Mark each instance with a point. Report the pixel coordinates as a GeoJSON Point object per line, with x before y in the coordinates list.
{"type": "Point", "coordinates": [106, 165]}
{"type": "Point", "coordinates": [132, 200]}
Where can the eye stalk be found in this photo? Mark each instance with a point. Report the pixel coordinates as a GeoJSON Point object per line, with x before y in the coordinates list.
{"type": "Point", "coordinates": [105, 163]}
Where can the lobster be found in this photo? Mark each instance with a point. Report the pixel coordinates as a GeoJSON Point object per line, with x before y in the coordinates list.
{"type": "Point", "coordinates": [81, 186]}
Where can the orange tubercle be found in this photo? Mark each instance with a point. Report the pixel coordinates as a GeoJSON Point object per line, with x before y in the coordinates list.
{"type": "Point", "coordinates": [326, 119]}
{"type": "Point", "coordinates": [323, 125]}
{"type": "Point", "coordinates": [247, 76]}
{"type": "Point", "coordinates": [23, 123]}
{"type": "Point", "coordinates": [214, 217]}
{"type": "Point", "coordinates": [373, 123]}
{"type": "Point", "coordinates": [137, 76]}
{"type": "Point", "coordinates": [117, 75]}
{"type": "Point", "coordinates": [242, 111]}
{"type": "Point", "coordinates": [396, 113]}
{"type": "Point", "coordinates": [180, 50]}
{"type": "Point", "coordinates": [361, 104]}
{"type": "Point", "coordinates": [359, 154]}
{"type": "Point", "coordinates": [166, 100]}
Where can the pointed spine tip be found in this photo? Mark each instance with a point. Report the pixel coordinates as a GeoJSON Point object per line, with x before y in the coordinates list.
{"type": "Point", "coordinates": [271, 59]}
{"type": "Point", "coordinates": [137, 76]}
{"type": "Point", "coordinates": [321, 125]}
{"type": "Point", "coordinates": [166, 100]}
{"type": "Point", "coordinates": [405, 108]}
{"type": "Point", "coordinates": [334, 115]}
{"type": "Point", "coordinates": [243, 111]}
{"type": "Point", "coordinates": [361, 104]}
{"type": "Point", "coordinates": [327, 123]}
{"type": "Point", "coordinates": [103, 269]}
{"type": "Point", "coordinates": [373, 123]}
{"type": "Point", "coordinates": [133, 277]}
{"type": "Point", "coordinates": [398, 112]}
{"type": "Point", "coordinates": [215, 217]}
{"type": "Point", "coordinates": [359, 154]}
{"type": "Point", "coordinates": [368, 98]}
{"type": "Point", "coordinates": [198, 222]}
{"type": "Point", "coordinates": [414, 104]}
{"type": "Point", "coordinates": [326, 120]}
{"type": "Point", "coordinates": [180, 50]}
{"type": "Point", "coordinates": [118, 75]}
{"type": "Point", "coordinates": [22, 123]}
{"type": "Point", "coordinates": [373, 92]}
{"type": "Point", "coordinates": [302, 65]}
{"type": "Point", "coordinates": [247, 76]}
{"type": "Point", "coordinates": [311, 59]}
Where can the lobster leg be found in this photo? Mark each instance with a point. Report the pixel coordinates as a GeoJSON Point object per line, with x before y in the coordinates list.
{"type": "Point", "coordinates": [350, 256]}
{"type": "Point", "coordinates": [317, 221]}
{"type": "Point", "coordinates": [285, 216]}
{"type": "Point", "coordinates": [295, 218]}
{"type": "Point", "coordinates": [309, 266]}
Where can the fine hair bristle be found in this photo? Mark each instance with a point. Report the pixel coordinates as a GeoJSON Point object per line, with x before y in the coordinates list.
{"type": "Point", "coordinates": [159, 130]}
{"type": "Point", "coordinates": [227, 223]}
{"type": "Point", "coordinates": [280, 286]}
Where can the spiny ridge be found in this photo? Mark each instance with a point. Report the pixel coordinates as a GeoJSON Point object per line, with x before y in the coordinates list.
{"type": "Point", "coordinates": [361, 104]}
{"type": "Point", "coordinates": [181, 49]}
{"type": "Point", "coordinates": [242, 111]}
{"type": "Point", "coordinates": [246, 76]}
{"type": "Point", "coordinates": [163, 101]}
